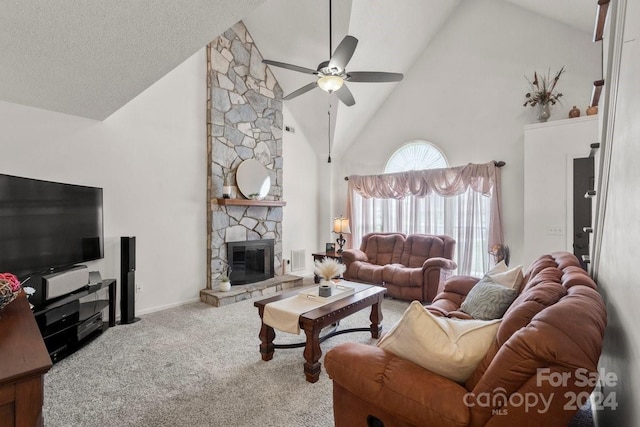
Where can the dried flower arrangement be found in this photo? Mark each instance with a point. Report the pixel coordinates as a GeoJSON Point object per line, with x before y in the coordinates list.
{"type": "Point", "coordinates": [329, 268]}
{"type": "Point", "coordinates": [500, 253]}
{"type": "Point", "coordinates": [542, 89]}
{"type": "Point", "coordinates": [9, 288]}
{"type": "Point", "coordinates": [11, 280]}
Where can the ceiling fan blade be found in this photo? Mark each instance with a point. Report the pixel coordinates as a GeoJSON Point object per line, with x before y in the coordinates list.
{"type": "Point", "coordinates": [303, 89]}
{"type": "Point", "coordinates": [374, 77]}
{"type": "Point", "coordinates": [289, 66]}
{"type": "Point", "coordinates": [345, 95]}
{"type": "Point", "coordinates": [343, 53]}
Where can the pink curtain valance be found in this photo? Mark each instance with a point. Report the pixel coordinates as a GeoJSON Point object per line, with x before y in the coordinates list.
{"type": "Point", "coordinates": [445, 182]}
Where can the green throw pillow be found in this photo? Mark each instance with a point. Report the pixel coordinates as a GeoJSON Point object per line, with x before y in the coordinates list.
{"type": "Point", "coordinates": [488, 300]}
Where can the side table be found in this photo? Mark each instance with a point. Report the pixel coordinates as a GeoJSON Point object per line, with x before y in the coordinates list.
{"type": "Point", "coordinates": [25, 361]}
{"type": "Point", "coordinates": [318, 256]}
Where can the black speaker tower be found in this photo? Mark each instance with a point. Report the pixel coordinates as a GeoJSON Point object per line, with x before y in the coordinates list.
{"type": "Point", "coordinates": [127, 280]}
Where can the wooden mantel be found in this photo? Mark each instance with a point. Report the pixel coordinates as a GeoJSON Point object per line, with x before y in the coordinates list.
{"type": "Point", "coordinates": [250, 202]}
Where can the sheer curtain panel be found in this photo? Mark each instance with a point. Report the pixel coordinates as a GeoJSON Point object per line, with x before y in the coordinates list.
{"type": "Point", "coordinates": [463, 202]}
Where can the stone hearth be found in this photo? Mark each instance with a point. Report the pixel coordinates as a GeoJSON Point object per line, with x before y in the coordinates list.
{"type": "Point", "coordinates": [238, 293]}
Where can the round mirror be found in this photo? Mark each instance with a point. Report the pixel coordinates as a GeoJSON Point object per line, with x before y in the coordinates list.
{"type": "Point", "coordinates": [253, 179]}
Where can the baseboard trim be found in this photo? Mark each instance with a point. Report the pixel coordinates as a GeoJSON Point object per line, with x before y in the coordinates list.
{"type": "Point", "coordinates": [165, 307]}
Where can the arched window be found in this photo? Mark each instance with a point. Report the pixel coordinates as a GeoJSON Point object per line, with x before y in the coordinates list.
{"type": "Point", "coordinates": [464, 217]}
{"type": "Point", "coordinates": [416, 155]}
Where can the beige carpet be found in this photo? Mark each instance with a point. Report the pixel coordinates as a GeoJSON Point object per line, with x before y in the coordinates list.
{"type": "Point", "coordinates": [197, 365]}
{"type": "Point", "coordinates": [194, 365]}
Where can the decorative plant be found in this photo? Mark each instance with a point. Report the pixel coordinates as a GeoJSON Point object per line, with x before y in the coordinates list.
{"type": "Point", "coordinates": [328, 268]}
{"type": "Point", "coordinates": [542, 89]}
{"type": "Point", "coordinates": [225, 272]}
{"type": "Point", "coordinates": [501, 253]}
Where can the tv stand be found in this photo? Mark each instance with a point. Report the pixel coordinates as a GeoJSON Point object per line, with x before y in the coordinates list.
{"type": "Point", "coordinates": [66, 324]}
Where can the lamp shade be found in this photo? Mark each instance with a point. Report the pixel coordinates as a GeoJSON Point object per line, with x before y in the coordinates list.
{"type": "Point", "coordinates": [330, 83]}
{"type": "Point", "coordinates": [341, 225]}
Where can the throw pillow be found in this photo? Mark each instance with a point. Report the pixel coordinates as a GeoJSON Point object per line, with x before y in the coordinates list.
{"type": "Point", "coordinates": [488, 300]}
{"type": "Point", "coordinates": [500, 267]}
{"type": "Point", "coordinates": [509, 277]}
{"type": "Point", "coordinates": [449, 347]}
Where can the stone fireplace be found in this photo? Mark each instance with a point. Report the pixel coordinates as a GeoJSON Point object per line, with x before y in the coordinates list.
{"type": "Point", "coordinates": [244, 121]}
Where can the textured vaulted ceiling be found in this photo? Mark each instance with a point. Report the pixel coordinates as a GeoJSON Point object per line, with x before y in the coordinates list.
{"type": "Point", "coordinates": [391, 36]}
{"type": "Point", "coordinates": [89, 58]}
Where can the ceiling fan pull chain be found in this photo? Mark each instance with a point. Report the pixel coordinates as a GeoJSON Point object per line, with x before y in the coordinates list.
{"type": "Point", "coordinates": [329, 132]}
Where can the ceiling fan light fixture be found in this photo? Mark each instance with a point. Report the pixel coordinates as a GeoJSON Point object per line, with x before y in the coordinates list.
{"type": "Point", "coordinates": [330, 83]}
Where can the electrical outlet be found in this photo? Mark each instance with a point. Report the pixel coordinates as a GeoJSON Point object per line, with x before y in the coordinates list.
{"type": "Point", "coordinates": [139, 287]}
{"type": "Point", "coordinates": [555, 231]}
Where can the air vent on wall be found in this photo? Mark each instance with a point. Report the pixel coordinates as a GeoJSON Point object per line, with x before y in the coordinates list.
{"type": "Point", "coordinates": [298, 258]}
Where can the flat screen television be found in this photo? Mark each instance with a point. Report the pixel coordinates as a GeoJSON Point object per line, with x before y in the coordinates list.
{"type": "Point", "coordinates": [48, 226]}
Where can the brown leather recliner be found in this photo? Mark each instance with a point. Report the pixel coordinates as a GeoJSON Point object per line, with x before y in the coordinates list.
{"type": "Point", "coordinates": [411, 267]}
{"type": "Point", "coordinates": [547, 346]}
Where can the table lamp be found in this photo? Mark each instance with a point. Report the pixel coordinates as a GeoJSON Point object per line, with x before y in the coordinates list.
{"type": "Point", "coordinates": [340, 226]}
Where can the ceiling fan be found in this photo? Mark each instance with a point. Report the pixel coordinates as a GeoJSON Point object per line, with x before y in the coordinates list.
{"type": "Point", "coordinates": [332, 74]}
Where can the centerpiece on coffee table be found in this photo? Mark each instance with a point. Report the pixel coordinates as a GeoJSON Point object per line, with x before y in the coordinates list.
{"type": "Point", "coordinates": [327, 269]}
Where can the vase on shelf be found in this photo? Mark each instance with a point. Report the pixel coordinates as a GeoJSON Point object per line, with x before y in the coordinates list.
{"type": "Point", "coordinates": [574, 112]}
{"type": "Point", "coordinates": [227, 187]}
{"type": "Point", "coordinates": [544, 112]}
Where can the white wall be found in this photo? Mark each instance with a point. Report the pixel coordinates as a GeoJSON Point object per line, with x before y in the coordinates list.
{"type": "Point", "coordinates": [301, 187]}
{"type": "Point", "coordinates": [618, 229]}
{"type": "Point", "coordinates": [549, 150]}
{"type": "Point", "coordinates": [465, 94]}
{"type": "Point", "coordinates": [150, 158]}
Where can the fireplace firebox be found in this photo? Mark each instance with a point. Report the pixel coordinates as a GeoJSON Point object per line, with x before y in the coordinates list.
{"type": "Point", "coordinates": [251, 261]}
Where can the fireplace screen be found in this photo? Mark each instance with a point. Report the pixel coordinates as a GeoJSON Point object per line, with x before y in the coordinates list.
{"type": "Point", "coordinates": [250, 261]}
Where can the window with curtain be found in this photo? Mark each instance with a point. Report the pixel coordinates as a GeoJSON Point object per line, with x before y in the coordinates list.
{"type": "Point", "coordinates": [465, 215]}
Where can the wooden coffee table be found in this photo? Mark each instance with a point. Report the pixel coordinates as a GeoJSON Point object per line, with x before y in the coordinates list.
{"type": "Point", "coordinates": [312, 322]}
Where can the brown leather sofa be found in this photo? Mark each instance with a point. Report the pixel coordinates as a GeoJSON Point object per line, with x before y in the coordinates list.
{"type": "Point", "coordinates": [411, 267]}
{"type": "Point", "coordinates": [556, 324]}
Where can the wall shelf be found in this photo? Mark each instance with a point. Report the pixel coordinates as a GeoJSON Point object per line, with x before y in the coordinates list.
{"type": "Point", "coordinates": [249, 202]}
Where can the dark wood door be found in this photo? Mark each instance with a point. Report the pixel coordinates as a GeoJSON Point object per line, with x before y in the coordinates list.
{"type": "Point", "coordinates": [583, 181]}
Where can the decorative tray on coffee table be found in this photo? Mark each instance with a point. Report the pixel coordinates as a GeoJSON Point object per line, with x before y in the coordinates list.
{"type": "Point", "coordinates": [338, 291]}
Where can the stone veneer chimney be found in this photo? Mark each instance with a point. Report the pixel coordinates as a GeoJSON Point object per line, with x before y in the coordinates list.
{"type": "Point", "coordinates": [244, 121]}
